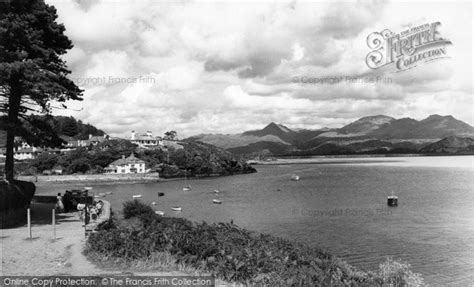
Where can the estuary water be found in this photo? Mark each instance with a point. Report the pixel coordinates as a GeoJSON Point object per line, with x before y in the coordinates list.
{"type": "Point", "coordinates": [340, 205]}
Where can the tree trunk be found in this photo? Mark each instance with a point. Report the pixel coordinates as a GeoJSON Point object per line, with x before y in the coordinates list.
{"type": "Point", "coordinates": [13, 110]}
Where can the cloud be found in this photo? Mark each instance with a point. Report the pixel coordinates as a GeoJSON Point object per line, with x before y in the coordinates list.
{"type": "Point", "coordinates": [227, 67]}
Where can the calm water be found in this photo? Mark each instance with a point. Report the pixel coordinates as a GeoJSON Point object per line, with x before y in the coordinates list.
{"type": "Point", "coordinates": [341, 207]}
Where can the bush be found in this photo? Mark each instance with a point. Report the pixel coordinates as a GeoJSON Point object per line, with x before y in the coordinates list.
{"type": "Point", "coordinates": [136, 208]}
{"type": "Point", "coordinates": [234, 254]}
{"type": "Point", "coordinates": [398, 273]}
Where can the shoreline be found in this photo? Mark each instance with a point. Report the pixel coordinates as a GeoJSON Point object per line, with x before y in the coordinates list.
{"type": "Point", "coordinates": [343, 159]}
{"type": "Point", "coordinates": [45, 180]}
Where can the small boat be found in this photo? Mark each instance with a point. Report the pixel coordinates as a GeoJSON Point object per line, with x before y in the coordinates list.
{"type": "Point", "coordinates": [160, 213]}
{"type": "Point", "coordinates": [108, 192]}
{"type": "Point", "coordinates": [161, 193]}
{"type": "Point", "coordinates": [186, 187]}
{"type": "Point", "coordinates": [97, 196]}
{"type": "Point", "coordinates": [153, 203]}
{"type": "Point", "coordinates": [216, 191]}
{"type": "Point", "coordinates": [176, 208]}
{"type": "Point", "coordinates": [295, 177]}
{"type": "Point", "coordinates": [137, 196]}
{"type": "Point", "coordinates": [102, 193]}
{"type": "Point", "coordinates": [216, 201]}
{"type": "Point", "coordinates": [392, 200]}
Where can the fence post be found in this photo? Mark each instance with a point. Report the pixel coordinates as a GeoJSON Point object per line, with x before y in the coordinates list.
{"type": "Point", "coordinates": [28, 217]}
{"type": "Point", "coordinates": [54, 222]}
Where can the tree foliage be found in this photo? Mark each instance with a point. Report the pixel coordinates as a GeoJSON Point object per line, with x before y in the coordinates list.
{"type": "Point", "coordinates": [33, 76]}
{"type": "Point", "coordinates": [171, 135]}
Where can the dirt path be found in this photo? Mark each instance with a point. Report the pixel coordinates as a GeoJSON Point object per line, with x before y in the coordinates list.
{"type": "Point", "coordinates": [43, 255]}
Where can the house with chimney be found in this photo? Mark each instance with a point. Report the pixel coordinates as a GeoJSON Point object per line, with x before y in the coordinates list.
{"type": "Point", "coordinates": [130, 164]}
{"type": "Point", "coordinates": [146, 140]}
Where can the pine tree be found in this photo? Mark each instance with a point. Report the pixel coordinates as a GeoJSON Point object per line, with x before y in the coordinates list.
{"type": "Point", "coordinates": [33, 77]}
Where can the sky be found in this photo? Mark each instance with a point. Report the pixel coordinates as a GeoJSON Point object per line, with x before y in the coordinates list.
{"type": "Point", "coordinates": [226, 67]}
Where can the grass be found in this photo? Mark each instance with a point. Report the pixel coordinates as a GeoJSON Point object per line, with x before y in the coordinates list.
{"type": "Point", "coordinates": [148, 241]}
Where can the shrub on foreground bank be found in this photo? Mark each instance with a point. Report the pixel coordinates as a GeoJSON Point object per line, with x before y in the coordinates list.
{"type": "Point", "coordinates": [234, 254]}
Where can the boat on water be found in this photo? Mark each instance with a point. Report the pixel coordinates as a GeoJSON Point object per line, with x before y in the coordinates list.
{"type": "Point", "coordinates": [97, 196]}
{"type": "Point", "coordinates": [392, 200]}
{"type": "Point", "coordinates": [187, 187]}
{"type": "Point", "coordinates": [216, 191]}
{"type": "Point", "coordinates": [136, 196]}
{"type": "Point", "coordinates": [108, 192]}
{"type": "Point", "coordinates": [161, 193]}
{"type": "Point", "coordinates": [295, 177]}
{"type": "Point", "coordinates": [216, 201]}
{"type": "Point", "coordinates": [176, 208]}
{"type": "Point", "coordinates": [160, 213]}
{"type": "Point", "coordinates": [102, 193]}
{"type": "Point", "coordinates": [153, 203]}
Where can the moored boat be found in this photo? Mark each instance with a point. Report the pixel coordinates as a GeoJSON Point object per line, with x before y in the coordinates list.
{"type": "Point", "coordinates": [136, 196]}
{"type": "Point", "coordinates": [161, 193]}
{"type": "Point", "coordinates": [392, 200]}
{"type": "Point", "coordinates": [216, 191]}
{"type": "Point", "coordinates": [216, 201]}
{"type": "Point", "coordinates": [187, 187]}
{"type": "Point", "coordinates": [176, 208]}
{"type": "Point", "coordinates": [295, 177]}
{"type": "Point", "coordinates": [160, 213]}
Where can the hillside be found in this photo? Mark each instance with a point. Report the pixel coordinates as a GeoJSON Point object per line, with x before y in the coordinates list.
{"type": "Point", "coordinates": [364, 125]}
{"type": "Point", "coordinates": [372, 134]}
{"type": "Point", "coordinates": [433, 127]}
{"type": "Point", "coordinates": [49, 130]}
{"type": "Point", "coordinates": [450, 145]}
{"type": "Point", "coordinates": [273, 129]}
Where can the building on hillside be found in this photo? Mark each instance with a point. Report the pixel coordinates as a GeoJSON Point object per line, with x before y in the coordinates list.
{"type": "Point", "coordinates": [73, 143]}
{"type": "Point", "coordinates": [130, 164]}
{"type": "Point", "coordinates": [95, 140]}
{"type": "Point", "coordinates": [146, 140]}
{"type": "Point", "coordinates": [27, 153]}
{"type": "Point", "coordinates": [57, 169]}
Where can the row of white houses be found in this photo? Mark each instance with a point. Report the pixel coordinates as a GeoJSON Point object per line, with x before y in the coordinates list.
{"type": "Point", "coordinates": [130, 164]}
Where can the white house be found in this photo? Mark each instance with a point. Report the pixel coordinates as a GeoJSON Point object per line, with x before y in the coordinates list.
{"type": "Point", "coordinates": [145, 140]}
{"type": "Point", "coordinates": [130, 164]}
{"type": "Point", "coordinates": [27, 153]}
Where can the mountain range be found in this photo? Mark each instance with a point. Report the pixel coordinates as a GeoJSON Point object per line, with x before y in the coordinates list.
{"type": "Point", "coordinates": [372, 134]}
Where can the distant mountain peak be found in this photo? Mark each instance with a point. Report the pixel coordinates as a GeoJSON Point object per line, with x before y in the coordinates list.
{"type": "Point", "coordinates": [376, 118]}
{"type": "Point", "coordinates": [271, 125]}
{"type": "Point", "coordinates": [366, 124]}
{"type": "Point", "coordinates": [275, 127]}
{"type": "Point", "coordinates": [439, 117]}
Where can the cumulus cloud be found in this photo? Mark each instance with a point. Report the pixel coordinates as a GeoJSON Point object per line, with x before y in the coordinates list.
{"type": "Point", "coordinates": [200, 67]}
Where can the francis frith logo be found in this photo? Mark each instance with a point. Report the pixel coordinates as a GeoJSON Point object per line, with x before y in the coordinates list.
{"type": "Point", "coordinates": [406, 49]}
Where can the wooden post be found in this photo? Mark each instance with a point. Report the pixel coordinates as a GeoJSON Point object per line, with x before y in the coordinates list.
{"type": "Point", "coordinates": [28, 216]}
{"type": "Point", "coordinates": [54, 223]}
